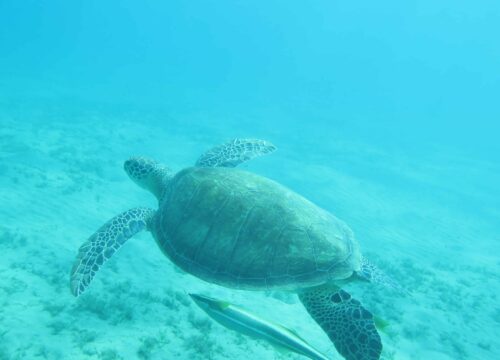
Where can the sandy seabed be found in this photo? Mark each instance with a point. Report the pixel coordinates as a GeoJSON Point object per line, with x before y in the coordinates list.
{"type": "Point", "coordinates": [425, 221]}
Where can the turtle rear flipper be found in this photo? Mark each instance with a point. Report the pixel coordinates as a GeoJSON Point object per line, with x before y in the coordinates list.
{"type": "Point", "coordinates": [346, 322]}
{"type": "Point", "coordinates": [235, 152]}
{"type": "Point", "coordinates": [370, 272]}
{"type": "Point", "coordinates": [103, 244]}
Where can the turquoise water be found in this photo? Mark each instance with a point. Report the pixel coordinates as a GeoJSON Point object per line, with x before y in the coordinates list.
{"type": "Point", "coordinates": [384, 113]}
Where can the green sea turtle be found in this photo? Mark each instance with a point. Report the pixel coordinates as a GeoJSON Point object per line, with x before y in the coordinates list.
{"type": "Point", "coordinates": [244, 231]}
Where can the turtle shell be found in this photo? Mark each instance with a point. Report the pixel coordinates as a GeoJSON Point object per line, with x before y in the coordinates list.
{"type": "Point", "coordinates": [241, 230]}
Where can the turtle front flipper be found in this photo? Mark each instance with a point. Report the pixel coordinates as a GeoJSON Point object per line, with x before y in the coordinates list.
{"type": "Point", "coordinates": [346, 322]}
{"type": "Point", "coordinates": [104, 243]}
{"type": "Point", "coordinates": [235, 152]}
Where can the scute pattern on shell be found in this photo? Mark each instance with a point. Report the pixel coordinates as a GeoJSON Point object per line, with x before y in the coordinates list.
{"type": "Point", "coordinates": [241, 230]}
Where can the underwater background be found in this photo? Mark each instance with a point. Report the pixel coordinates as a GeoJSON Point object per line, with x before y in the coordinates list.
{"type": "Point", "coordinates": [385, 113]}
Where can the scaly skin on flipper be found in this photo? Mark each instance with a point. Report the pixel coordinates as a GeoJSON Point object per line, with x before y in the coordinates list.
{"type": "Point", "coordinates": [346, 322]}
{"type": "Point", "coordinates": [104, 243]}
{"type": "Point", "coordinates": [235, 152]}
{"type": "Point", "coordinates": [370, 272]}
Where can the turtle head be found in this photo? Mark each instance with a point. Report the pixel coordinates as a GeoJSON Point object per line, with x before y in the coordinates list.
{"type": "Point", "coordinates": [148, 174]}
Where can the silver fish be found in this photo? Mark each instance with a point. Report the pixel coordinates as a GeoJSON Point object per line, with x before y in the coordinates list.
{"type": "Point", "coordinates": [238, 319]}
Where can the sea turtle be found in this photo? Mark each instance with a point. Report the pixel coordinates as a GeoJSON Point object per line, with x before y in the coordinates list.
{"type": "Point", "coordinates": [244, 231]}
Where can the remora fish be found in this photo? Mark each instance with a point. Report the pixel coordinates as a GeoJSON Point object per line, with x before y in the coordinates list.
{"type": "Point", "coordinates": [236, 318]}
